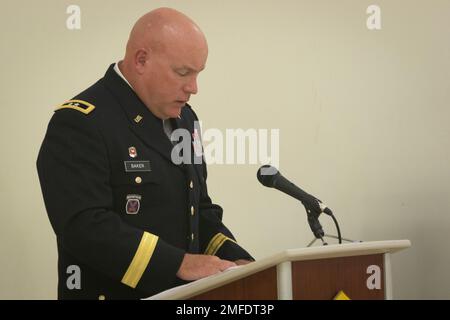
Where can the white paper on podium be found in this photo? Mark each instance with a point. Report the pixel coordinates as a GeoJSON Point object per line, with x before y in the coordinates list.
{"type": "Point", "coordinates": [165, 294]}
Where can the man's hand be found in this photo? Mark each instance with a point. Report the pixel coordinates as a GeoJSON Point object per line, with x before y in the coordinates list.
{"type": "Point", "coordinates": [241, 262]}
{"type": "Point", "coordinates": [197, 266]}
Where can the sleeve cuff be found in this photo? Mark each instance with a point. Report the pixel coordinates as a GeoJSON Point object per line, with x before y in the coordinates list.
{"type": "Point", "coordinates": [154, 266]}
{"type": "Point", "coordinates": [216, 242]}
{"type": "Point", "coordinates": [140, 260]}
{"type": "Point", "coordinates": [226, 248]}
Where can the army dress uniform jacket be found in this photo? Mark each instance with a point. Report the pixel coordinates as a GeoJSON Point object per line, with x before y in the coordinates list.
{"type": "Point", "coordinates": [123, 213]}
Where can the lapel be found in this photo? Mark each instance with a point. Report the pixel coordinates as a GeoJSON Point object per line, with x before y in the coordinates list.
{"type": "Point", "coordinates": [185, 123]}
{"type": "Point", "coordinates": [142, 122]}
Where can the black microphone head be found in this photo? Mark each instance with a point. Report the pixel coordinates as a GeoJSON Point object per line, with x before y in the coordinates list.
{"type": "Point", "coordinates": [267, 175]}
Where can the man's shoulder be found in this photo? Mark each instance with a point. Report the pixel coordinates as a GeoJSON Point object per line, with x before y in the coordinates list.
{"type": "Point", "coordinates": [92, 108]}
{"type": "Point", "coordinates": [88, 102]}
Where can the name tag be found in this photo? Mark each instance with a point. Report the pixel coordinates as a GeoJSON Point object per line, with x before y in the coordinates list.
{"type": "Point", "coordinates": [137, 166]}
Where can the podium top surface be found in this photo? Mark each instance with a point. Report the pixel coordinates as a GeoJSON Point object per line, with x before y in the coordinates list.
{"type": "Point", "coordinates": [300, 254]}
{"type": "Point", "coordinates": [342, 250]}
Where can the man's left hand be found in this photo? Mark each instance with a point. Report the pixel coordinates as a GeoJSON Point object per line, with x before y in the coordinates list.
{"type": "Point", "coordinates": [241, 262]}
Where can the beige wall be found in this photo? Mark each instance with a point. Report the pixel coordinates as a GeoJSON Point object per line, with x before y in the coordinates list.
{"type": "Point", "coordinates": [363, 118]}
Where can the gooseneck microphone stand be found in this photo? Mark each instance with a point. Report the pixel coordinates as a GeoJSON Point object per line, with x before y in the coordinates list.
{"type": "Point", "coordinates": [313, 220]}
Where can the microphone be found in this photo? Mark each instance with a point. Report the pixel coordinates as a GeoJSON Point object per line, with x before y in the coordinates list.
{"type": "Point", "coordinates": [270, 177]}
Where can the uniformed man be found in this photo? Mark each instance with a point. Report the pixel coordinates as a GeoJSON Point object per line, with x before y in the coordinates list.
{"type": "Point", "coordinates": [128, 219]}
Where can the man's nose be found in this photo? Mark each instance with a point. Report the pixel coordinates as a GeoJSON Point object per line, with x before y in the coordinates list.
{"type": "Point", "coordinates": [191, 87]}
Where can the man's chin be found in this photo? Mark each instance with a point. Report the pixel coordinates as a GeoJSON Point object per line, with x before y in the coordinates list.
{"type": "Point", "coordinates": [175, 112]}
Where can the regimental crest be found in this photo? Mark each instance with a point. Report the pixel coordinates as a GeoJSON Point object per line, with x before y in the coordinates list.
{"type": "Point", "coordinates": [132, 152]}
{"type": "Point", "coordinates": [133, 204]}
{"type": "Point", "coordinates": [138, 118]}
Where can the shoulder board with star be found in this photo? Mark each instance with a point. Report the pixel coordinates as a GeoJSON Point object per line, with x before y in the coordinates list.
{"type": "Point", "coordinates": [79, 105]}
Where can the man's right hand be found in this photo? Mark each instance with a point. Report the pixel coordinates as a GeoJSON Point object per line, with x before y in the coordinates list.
{"type": "Point", "coordinates": [197, 266]}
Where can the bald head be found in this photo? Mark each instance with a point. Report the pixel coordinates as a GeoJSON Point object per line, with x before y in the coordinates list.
{"type": "Point", "coordinates": [165, 52]}
{"type": "Point", "coordinates": [158, 28]}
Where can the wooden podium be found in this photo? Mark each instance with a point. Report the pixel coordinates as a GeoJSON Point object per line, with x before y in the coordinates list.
{"type": "Point", "coordinates": [360, 270]}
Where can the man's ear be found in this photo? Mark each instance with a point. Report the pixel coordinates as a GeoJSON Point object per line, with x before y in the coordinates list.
{"type": "Point", "coordinates": [140, 60]}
